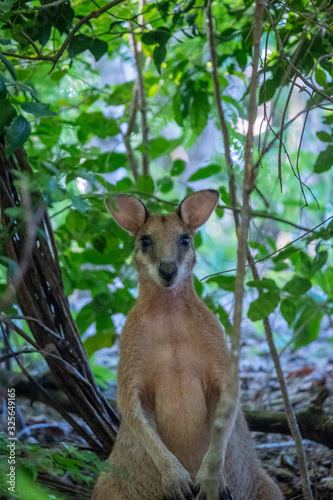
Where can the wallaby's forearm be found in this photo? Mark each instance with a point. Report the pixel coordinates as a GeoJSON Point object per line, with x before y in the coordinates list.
{"type": "Point", "coordinates": [150, 440]}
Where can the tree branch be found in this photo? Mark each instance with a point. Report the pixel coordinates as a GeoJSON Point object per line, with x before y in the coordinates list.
{"type": "Point", "coordinates": [217, 92]}
{"type": "Point", "coordinates": [84, 20]}
{"type": "Point", "coordinates": [250, 170]}
{"type": "Point", "coordinates": [314, 424]}
{"type": "Point", "coordinates": [228, 401]}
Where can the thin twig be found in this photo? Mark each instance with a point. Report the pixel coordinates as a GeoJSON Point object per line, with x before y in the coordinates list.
{"type": "Point", "coordinates": [217, 92]}
{"type": "Point", "coordinates": [298, 152]}
{"type": "Point", "coordinates": [308, 18]}
{"type": "Point", "coordinates": [16, 353]}
{"type": "Point", "coordinates": [291, 62]}
{"type": "Point", "coordinates": [281, 132]}
{"type": "Point", "coordinates": [271, 254]}
{"type": "Point", "coordinates": [56, 3]}
{"type": "Point", "coordinates": [138, 55]}
{"type": "Point", "coordinates": [5, 318]}
{"type": "Point", "coordinates": [267, 148]}
{"type": "Point", "coordinates": [131, 123]}
{"type": "Point", "coordinates": [294, 58]}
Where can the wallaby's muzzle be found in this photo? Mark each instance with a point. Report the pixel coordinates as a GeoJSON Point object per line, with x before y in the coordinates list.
{"type": "Point", "coordinates": [167, 271]}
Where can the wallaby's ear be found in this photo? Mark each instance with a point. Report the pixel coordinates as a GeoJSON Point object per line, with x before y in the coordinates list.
{"type": "Point", "coordinates": [129, 212]}
{"type": "Point", "coordinates": [197, 207]}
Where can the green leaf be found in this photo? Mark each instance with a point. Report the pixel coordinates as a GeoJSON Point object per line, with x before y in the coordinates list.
{"type": "Point", "coordinates": [188, 7]}
{"type": "Point", "coordinates": [5, 41]}
{"type": "Point", "coordinates": [241, 58]}
{"type": "Point", "coordinates": [10, 264]}
{"type": "Point", "coordinates": [159, 56]}
{"type": "Point", "coordinates": [16, 134]}
{"type": "Point", "coordinates": [56, 76]}
{"type": "Point", "coordinates": [225, 197]}
{"type": "Point", "coordinates": [15, 212]}
{"type": "Point", "coordinates": [227, 34]}
{"type": "Point", "coordinates": [9, 66]}
{"type": "Point", "coordinates": [284, 254]}
{"type": "Point", "coordinates": [102, 374]}
{"type": "Point", "coordinates": [178, 167]}
{"type": "Point", "coordinates": [7, 113]}
{"type": "Point", "coordinates": [266, 283]}
{"type": "Point", "coordinates": [224, 282]}
{"type": "Point", "coordinates": [92, 124]}
{"type": "Point", "coordinates": [306, 264]}
{"type": "Point", "coordinates": [308, 325]}
{"type": "Point", "coordinates": [165, 185]}
{"type": "Point", "coordinates": [85, 318]}
{"type": "Point", "coordinates": [124, 185]}
{"type": "Point", "coordinates": [3, 91]}
{"type": "Point", "coordinates": [199, 112]}
{"type": "Point", "coordinates": [271, 243]}
{"type": "Point", "coordinates": [288, 309]}
{"type": "Point", "coordinates": [197, 239]}
{"type": "Point", "coordinates": [225, 320]}
{"type": "Point", "coordinates": [267, 90]}
{"type": "Point", "coordinates": [160, 146]}
{"type": "Point", "coordinates": [325, 281]}
{"type": "Point", "coordinates": [219, 212]}
{"type": "Point", "coordinates": [76, 223]}
{"type": "Point", "coordinates": [324, 160]}
{"type": "Point", "coordinates": [264, 305]}
{"type": "Point", "coordinates": [198, 286]}
{"type": "Point", "coordinates": [145, 184]}
{"type": "Point", "coordinates": [104, 338]}
{"type": "Point", "coordinates": [320, 77]}
{"type": "Point", "coordinates": [205, 172]}
{"type": "Point", "coordinates": [6, 6]}
{"type": "Point", "coordinates": [121, 94]}
{"type": "Point", "coordinates": [49, 131]}
{"type": "Point", "coordinates": [177, 111]}
{"type": "Point", "coordinates": [319, 261]}
{"type": "Point", "coordinates": [161, 35]}
{"type": "Point", "coordinates": [79, 44]}
{"type": "Point", "coordinates": [37, 109]}
{"type": "Point", "coordinates": [324, 136]}
{"type": "Point", "coordinates": [297, 286]}
{"type": "Point", "coordinates": [98, 48]}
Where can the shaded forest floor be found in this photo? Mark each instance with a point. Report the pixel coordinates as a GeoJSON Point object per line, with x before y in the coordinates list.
{"type": "Point", "coordinates": [307, 370]}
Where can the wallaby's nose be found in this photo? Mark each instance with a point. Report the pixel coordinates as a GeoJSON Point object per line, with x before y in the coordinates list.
{"type": "Point", "coordinates": [167, 270]}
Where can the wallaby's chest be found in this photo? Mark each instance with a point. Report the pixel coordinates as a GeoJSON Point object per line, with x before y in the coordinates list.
{"type": "Point", "coordinates": [173, 345]}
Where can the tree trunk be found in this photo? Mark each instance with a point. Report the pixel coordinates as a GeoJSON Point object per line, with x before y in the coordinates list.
{"type": "Point", "coordinates": [40, 295]}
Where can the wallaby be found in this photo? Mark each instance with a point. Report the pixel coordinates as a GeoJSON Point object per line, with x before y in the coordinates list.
{"type": "Point", "coordinates": [173, 368]}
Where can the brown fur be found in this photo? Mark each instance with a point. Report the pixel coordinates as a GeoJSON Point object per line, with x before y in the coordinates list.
{"type": "Point", "coordinates": [172, 369]}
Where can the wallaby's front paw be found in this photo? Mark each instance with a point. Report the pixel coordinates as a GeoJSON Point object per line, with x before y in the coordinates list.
{"type": "Point", "coordinates": [201, 483]}
{"type": "Point", "coordinates": [224, 494]}
{"type": "Point", "coordinates": [178, 486]}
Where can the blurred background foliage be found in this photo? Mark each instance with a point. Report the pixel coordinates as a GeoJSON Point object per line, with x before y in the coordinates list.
{"type": "Point", "coordinates": [71, 111]}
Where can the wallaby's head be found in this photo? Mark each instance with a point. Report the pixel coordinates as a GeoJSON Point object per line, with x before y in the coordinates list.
{"type": "Point", "coordinates": [164, 250]}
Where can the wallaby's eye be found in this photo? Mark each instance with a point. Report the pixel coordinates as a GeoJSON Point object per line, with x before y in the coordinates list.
{"type": "Point", "coordinates": [184, 240]}
{"type": "Point", "coordinates": [145, 241]}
